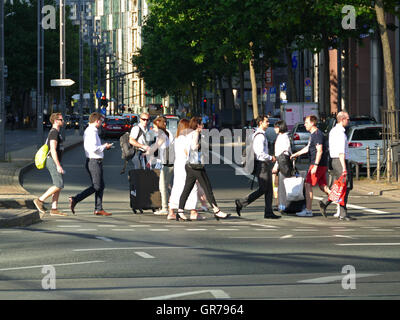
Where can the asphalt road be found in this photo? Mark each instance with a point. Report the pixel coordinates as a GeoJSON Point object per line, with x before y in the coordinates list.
{"type": "Point", "coordinates": [129, 256]}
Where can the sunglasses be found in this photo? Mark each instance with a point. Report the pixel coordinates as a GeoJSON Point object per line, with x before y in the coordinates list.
{"type": "Point", "coordinates": [61, 119]}
{"type": "Point", "coordinates": [144, 119]}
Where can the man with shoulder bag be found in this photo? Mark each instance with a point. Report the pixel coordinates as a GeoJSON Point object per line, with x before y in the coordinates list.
{"type": "Point", "coordinates": [263, 171]}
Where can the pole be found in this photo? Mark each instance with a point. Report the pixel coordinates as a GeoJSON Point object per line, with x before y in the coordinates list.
{"type": "Point", "coordinates": [2, 93]}
{"type": "Point", "coordinates": [40, 75]}
{"type": "Point", "coordinates": [62, 60]}
{"type": "Point", "coordinates": [80, 68]}
{"type": "Point", "coordinates": [90, 29]}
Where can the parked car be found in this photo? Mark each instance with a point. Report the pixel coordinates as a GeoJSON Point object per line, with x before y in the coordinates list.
{"type": "Point", "coordinates": [115, 126]}
{"type": "Point", "coordinates": [354, 121]}
{"type": "Point", "coordinates": [362, 136]}
{"type": "Point", "coordinates": [85, 121]}
{"type": "Point", "coordinates": [133, 118]}
{"type": "Point", "coordinates": [75, 121]}
{"type": "Point", "coordinates": [299, 136]}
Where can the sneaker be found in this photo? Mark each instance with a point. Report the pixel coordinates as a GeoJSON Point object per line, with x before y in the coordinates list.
{"type": "Point", "coordinates": [161, 212]}
{"type": "Point", "coordinates": [56, 212]}
{"type": "Point", "coordinates": [304, 213]}
{"type": "Point", "coordinates": [39, 206]}
{"type": "Point", "coordinates": [337, 214]}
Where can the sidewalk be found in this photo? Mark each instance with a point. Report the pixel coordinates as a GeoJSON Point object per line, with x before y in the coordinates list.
{"type": "Point", "coordinates": [16, 206]}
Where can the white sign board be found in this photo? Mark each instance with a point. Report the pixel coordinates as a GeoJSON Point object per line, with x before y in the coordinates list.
{"type": "Point", "coordinates": [61, 82]}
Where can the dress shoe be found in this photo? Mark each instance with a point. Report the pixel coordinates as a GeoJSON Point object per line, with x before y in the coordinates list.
{"type": "Point", "coordinates": [271, 216]}
{"type": "Point", "coordinates": [239, 207]}
{"type": "Point", "coordinates": [322, 208]}
{"type": "Point", "coordinates": [72, 204]}
{"type": "Point", "coordinates": [102, 213]}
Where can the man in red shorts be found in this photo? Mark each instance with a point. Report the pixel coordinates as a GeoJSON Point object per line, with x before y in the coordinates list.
{"type": "Point", "coordinates": [317, 148]}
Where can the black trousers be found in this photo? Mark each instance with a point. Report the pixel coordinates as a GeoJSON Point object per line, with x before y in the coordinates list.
{"type": "Point", "coordinates": [337, 172]}
{"type": "Point", "coordinates": [191, 176]}
{"type": "Point", "coordinates": [95, 169]}
{"type": "Point", "coordinates": [264, 176]}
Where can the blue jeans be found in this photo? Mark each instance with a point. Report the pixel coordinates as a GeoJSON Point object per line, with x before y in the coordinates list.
{"type": "Point", "coordinates": [95, 169]}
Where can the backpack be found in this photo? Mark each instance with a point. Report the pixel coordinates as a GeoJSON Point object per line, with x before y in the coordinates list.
{"type": "Point", "coordinates": [286, 166]}
{"type": "Point", "coordinates": [41, 156]}
{"type": "Point", "coordinates": [128, 151]}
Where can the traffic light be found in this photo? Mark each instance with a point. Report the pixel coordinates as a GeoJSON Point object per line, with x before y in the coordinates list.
{"type": "Point", "coordinates": [205, 100]}
{"type": "Point", "coordinates": [104, 102]}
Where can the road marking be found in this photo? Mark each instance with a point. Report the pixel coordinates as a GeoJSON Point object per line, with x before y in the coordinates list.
{"type": "Point", "coordinates": [241, 171]}
{"type": "Point", "coordinates": [132, 248]}
{"type": "Point", "coordinates": [139, 225]}
{"type": "Point", "coordinates": [122, 230]}
{"type": "Point", "coordinates": [70, 226]}
{"type": "Point", "coordinates": [54, 265]}
{"type": "Point", "coordinates": [287, 236]}
{"type": "Point", "coordinates": [370, 244]}
{"type": "Point", "coordinates": [265, 229]}
{"type": "Point", "coordinates": [196, 229]}
{"type": "Point", "coordinates": [382, 229]}
{"type": "Point", "coordinates": [343, 236]}
{"type": "Point", "coordinates": [227, 229]}
{"type": "Point", "coordinates": [10, 231]}
{"type": "Point", "coordinates": [144, 255]}
{"type": "Point", "coordinates": [218, 294]}
{"type": "Point", "coordinates": [104, 239]}
{"type": "Point", "coordinates": [159, 229]}
{"type": "Point", "coordinates": [106, 225]}
{"type": "Point", "coordinates": [336, 278]}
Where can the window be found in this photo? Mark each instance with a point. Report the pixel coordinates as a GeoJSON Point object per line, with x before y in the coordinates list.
{"type": "Point", "coordinates": [367, 134]}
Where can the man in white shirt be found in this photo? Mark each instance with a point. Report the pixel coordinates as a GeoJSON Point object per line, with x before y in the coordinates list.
{"type": "Point", "coordinates": [94, 151]}
{"type": "Point", "coordinates": [264, 162]}
{"type": "Point", "coordinates": [137, 138]}
{"type": "Point", "coordinates": [339, 153]}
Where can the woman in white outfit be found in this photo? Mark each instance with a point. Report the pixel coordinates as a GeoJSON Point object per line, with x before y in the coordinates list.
{"type": "Point", "coordinates": [181, 156]}
{"type": "Point", "coordinates": [164, 139]}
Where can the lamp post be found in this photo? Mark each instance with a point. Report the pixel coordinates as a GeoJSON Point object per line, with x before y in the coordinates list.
{"type": "Point", "coordinates": [2, 93]}
{"type": "Point", "coordinates": [40, 75]}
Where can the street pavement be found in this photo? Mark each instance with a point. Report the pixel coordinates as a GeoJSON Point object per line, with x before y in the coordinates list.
{"type": "Point", "coordinates": [17, 209]}
{"type": "Point", "coordinates": [144, 256]}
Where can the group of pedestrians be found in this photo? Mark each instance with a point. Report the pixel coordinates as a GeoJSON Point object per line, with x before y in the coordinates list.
{"type": "Point", "coordinates": [321, 153]}
{"type": "Point", "coordinates": [184, 179]}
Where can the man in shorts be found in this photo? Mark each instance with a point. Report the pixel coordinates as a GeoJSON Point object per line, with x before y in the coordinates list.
{"type": "Point", "coordinates": [317, 148]}
{"type": "Point", "coordinates": [53, 164]}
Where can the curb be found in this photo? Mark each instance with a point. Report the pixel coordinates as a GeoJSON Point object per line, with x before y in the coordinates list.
{"type": "Point", "coordinates": [22, 211]}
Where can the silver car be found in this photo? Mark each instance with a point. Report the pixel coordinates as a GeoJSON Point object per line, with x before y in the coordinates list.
{"type": "Point", "coordinates": [362, 136]}
{"type": "Point", "coordinates": [299, 137]}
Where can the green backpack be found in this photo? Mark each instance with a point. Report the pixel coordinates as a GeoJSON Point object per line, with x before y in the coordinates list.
{"type": "Point", "coordinates": [41, 156]}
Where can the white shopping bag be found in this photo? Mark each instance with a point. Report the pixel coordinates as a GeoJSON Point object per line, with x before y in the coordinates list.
{"type": "Point", "coordinates": [294, 188]}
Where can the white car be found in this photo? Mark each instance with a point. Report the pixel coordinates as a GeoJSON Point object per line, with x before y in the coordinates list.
{"type": "Point", "coordinates": [362, 136]}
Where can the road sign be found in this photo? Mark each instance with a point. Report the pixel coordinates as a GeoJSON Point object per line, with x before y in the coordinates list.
{"type": "Point", "coordinates": [61, 82]}
{"type": "Point", "coordinates": [308, 82]}
{"type": "Point", "coordinates": [294, 62]}
{"type": "Point", "coordinates": [98, 94]}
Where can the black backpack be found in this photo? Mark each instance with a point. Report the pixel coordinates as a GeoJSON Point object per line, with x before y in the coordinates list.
{"type": "Point", "coordinates": [128, 151]}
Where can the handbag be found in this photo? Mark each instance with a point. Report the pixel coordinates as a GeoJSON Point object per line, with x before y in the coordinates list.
{"type": "Point", "coordinates": [41, 156]}
{"type": "Point", "coordinates": [338, 191]}
{"type": "Point", "coordinates": [294, 187]}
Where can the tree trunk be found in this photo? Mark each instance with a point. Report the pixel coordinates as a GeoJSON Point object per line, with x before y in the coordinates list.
{"type": "Point", "coordinates": [231, 98]}
{"type": "Point", "coordinates": [387, 59]}
{"type": "Point", "coordinates": [221, 93]}
{"type": "Point", "coordinates": [327, 82]}
{"type": "Point", "coordinates": [292, 84]}
{"type": "Point", "coordinates": [253, 85]}
{"type": "Point", "coordinates": [243, 107]}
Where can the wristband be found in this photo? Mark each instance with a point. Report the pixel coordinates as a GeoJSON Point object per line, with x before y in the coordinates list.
{"type": "Point", "coordinates": [315, 164]}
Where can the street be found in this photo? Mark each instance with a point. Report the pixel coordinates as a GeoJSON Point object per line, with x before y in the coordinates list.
{"type": "Point", "coordinates": [144, 256]}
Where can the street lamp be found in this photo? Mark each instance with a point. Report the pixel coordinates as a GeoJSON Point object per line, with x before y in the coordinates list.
{"type": "Point", "coordinates": [2, 93]}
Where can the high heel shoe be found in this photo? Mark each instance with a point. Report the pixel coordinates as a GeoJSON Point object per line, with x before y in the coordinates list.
{"type": "Point", "coordinates": [220, 215]}
{"type": "Point", "coordinates": [181, 216]}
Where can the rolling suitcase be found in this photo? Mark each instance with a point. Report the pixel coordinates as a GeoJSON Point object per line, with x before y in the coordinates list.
{"type": "Point", "coordinates": [144, 189]}
{"type": "Point", "coordinates": [286, 205]}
